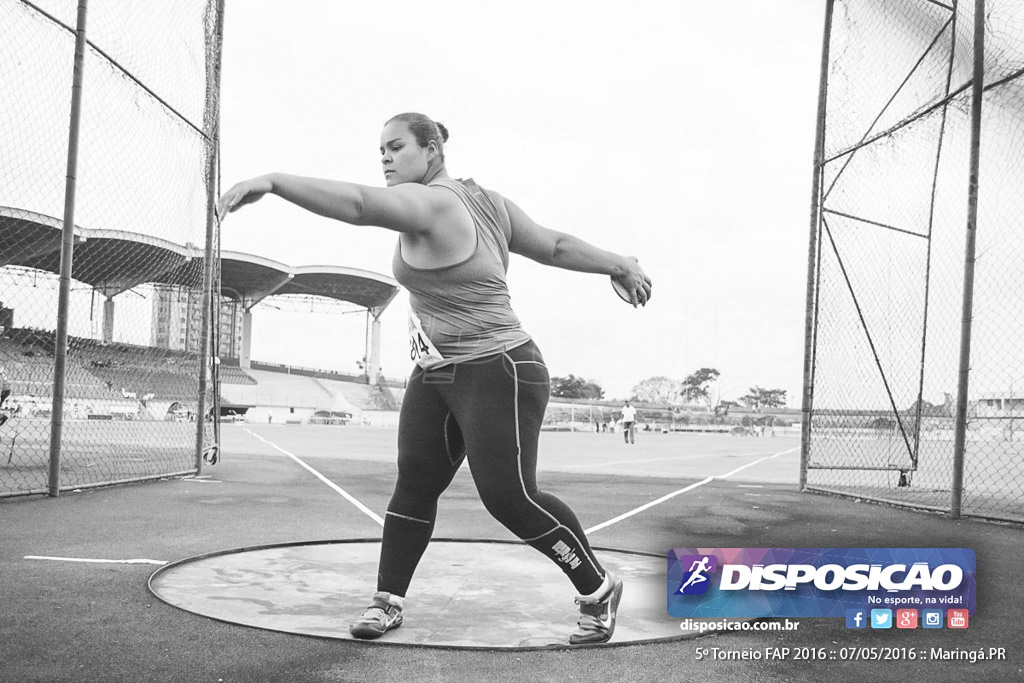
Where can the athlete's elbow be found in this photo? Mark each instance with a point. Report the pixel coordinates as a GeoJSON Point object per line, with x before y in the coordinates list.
{"type": "Point", "coordinates": [561, 250]}
{"type": "Point", "coordinates": [354, 210]}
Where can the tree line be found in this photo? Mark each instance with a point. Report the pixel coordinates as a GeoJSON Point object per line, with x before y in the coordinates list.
{"type": "Point", "coordinates": [696, 388]}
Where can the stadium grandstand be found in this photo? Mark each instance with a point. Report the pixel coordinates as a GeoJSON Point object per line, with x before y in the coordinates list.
{"type": "Point", "coordinates": [114, 372]}
{"type": "Point", "coordinates": [149, 371]}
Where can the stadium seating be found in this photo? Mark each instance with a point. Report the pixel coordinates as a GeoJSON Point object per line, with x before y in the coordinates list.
{"type": "Point", "coordinates": [119, 374]}
{"type": "Point", "coordinates": [28, 357]}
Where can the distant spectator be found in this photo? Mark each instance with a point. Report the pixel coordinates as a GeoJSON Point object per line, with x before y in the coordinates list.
{"type": "Point", "coordinates": [629, 423]}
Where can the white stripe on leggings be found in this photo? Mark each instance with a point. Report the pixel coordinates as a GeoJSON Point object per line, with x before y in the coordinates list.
{"type": "Point", "coordinates": [522, 484]}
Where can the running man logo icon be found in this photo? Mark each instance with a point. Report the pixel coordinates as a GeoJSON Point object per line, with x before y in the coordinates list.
{"type": "Point", "coordinates": [696, 580]}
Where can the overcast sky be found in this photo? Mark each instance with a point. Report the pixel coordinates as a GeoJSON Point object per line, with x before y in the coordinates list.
{"type": "Point", "coordinates": [680, 132]}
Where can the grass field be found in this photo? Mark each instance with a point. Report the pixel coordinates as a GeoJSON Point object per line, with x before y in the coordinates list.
{"type": "Point", "coordinates": [993, 473]}
{"type": "Point", "coordinates": [93, 451]}
{"type": "Point", "coordinates": [653, 455]}
{"type": "Point", "coordinates": [103, 451]}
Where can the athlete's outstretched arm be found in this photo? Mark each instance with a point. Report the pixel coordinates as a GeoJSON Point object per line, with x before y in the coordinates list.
{"type": "Point", "coordinates": [409, 207]}
{"type": "Point", "coordinates": [562, 250]}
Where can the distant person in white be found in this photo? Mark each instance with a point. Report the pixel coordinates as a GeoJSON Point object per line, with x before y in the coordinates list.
{"type": "Point", "coordinates": [629, 423]}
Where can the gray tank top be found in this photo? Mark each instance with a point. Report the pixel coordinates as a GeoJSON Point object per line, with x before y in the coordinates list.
{"type": "Point", "coordinates": [465, 309]}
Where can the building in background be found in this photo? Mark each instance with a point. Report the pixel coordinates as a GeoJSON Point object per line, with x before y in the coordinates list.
{"type": "Point", "coordinates": [178, 322]}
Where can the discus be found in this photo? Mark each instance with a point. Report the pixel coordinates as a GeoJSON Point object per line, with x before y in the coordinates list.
{"type": "Point", "coordinates": [621, 291]}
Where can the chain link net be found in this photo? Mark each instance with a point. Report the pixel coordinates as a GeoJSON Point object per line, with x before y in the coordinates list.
{"type": "Point", "coordinates": [136, 307]}
{"type": "Point", "coordinates": [890, 262]}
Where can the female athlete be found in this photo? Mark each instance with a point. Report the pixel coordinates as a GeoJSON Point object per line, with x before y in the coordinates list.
{"type": "Point", "coordinates": [480, 386]}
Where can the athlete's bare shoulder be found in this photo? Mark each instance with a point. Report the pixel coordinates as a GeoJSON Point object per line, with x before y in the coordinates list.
{"type": "Point", "coordinates": [499, 204]}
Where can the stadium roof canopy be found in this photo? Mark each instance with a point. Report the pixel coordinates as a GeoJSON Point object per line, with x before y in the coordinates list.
{"type": "Point", "coordinates": [113, 261]}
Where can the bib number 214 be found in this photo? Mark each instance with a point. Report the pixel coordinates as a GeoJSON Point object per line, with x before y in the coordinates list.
{"type": "Point", "coordinates": [421, 350]}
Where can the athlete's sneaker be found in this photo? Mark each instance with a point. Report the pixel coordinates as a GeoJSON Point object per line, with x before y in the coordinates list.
{"type": "Point", "coordinates": [597, 616]}
{"type": "Point", "coordinates": [380, 617]}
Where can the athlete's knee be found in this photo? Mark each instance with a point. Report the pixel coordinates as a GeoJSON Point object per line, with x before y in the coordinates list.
{"type": "Point", "coordinates": [497, 501]}
{"type": "Point", "coordinates": [511, 507]}
{"type": "Point", "coordinates": [415, 496]}
{"type": "Point", "coordinates": [426, 475]}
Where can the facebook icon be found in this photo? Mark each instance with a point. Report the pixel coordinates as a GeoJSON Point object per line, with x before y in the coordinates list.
{"type": "Point", "coordinates": [856, 618]}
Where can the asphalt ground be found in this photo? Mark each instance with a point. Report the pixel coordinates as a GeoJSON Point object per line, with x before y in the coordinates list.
{"type": "Point", "coordinates": [63, 620]}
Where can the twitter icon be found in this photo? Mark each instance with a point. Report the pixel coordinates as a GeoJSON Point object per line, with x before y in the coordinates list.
{"type": "Point", "coordinates": [881, 618]}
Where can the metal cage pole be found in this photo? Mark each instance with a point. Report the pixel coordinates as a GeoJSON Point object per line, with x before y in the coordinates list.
{"type": "Point", "coordinates": [812, 249]}
{"type": "Point", "coordinates": [60, 352]}
{"type": "Point", "coordinates": [211, 129]}
{"type": "Point", "coordinates": [977, 94]}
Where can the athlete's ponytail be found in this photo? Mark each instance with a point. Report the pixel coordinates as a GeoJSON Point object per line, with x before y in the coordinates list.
{"type": "Point", "coordinates": [442, 130]}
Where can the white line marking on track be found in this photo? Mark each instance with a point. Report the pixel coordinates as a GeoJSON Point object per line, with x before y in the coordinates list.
{"type": "Point", "coordinates": [86, 559]}
{"type": "Point", "coordinates": [751, 464]}
{"type": "Point", "coordinates": [345, 494]}
{"type": "Point", "coordinates": [646, 506]}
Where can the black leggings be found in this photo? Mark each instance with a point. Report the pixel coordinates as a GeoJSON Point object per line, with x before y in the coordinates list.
{"type": "Point", "coordinates": [490, 411]}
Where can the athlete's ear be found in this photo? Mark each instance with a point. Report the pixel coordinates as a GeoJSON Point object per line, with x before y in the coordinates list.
{"type": "Point", "coordinates": [432, 150]}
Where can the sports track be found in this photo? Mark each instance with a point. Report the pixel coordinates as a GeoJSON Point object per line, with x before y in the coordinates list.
{"type": "Point", "coordinates": [64, 619]}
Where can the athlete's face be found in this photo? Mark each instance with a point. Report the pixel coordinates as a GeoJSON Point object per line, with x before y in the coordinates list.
{"type": "Point", "coordinates": [403, 159]}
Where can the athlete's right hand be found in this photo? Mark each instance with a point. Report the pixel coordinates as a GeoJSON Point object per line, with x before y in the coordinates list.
{"type": "Point", "coordinates": [635, 282]}
{"type": "Point", "coordinates": [245, 192]}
